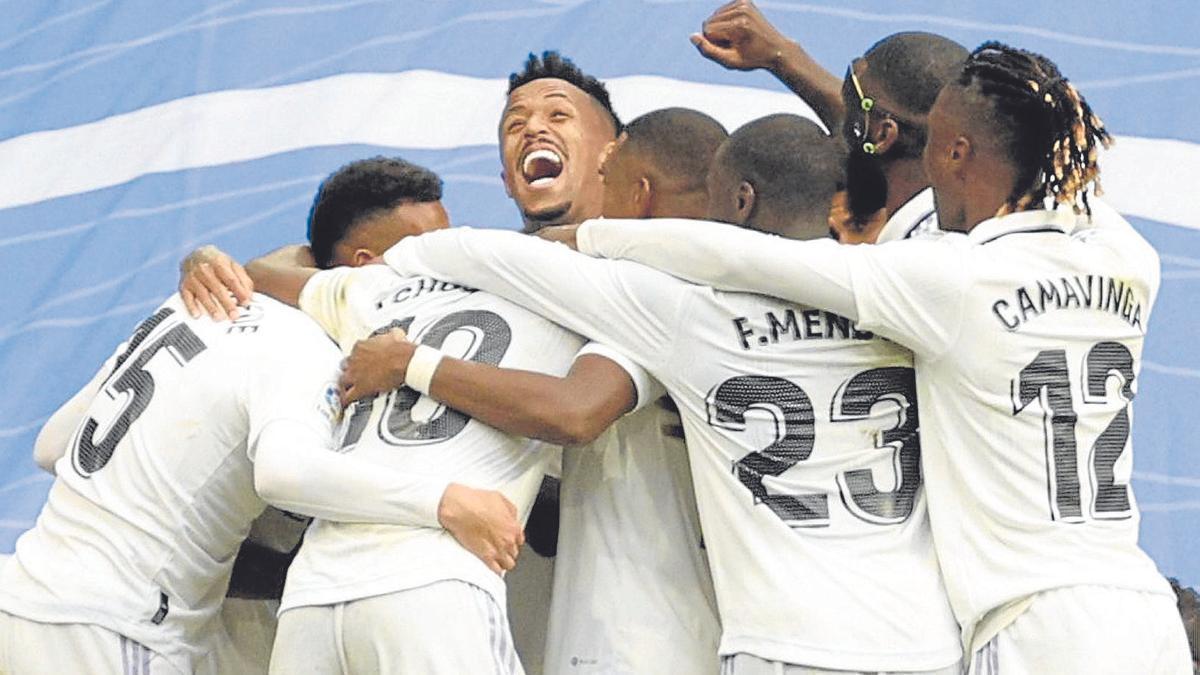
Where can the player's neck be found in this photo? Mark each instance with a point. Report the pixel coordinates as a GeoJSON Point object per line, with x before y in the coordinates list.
{"type": "Point", "coordinates": [905, 178]}
{"type": "Point", "coordinates": [681, 205]}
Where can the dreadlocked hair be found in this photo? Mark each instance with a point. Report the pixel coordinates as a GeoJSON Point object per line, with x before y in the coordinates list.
{"type": "Point", "coordinates": [1048, 129]}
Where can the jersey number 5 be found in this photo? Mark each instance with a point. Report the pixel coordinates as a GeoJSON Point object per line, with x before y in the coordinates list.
{"type": "Point", "coordinates": [131, 380]}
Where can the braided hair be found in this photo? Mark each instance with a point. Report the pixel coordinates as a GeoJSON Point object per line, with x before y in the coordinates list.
{"type": "Point", "coordinates": [1047, 128]}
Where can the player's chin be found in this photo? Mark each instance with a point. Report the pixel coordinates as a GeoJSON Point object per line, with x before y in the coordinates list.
{"type": "Point", "coordinates": [546, 209]}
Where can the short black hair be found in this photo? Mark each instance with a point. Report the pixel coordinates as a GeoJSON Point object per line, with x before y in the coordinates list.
{"type": "Point", "coordinates": [679, 142]}
{"type": "Point", "coordinates": [793, 165]}
{"type": "Point", "coordinates": [358, 191]}
{"type": "Point", "coordinates": [552, 65]}
{"type": "Point", "coordinates": [911, 68]}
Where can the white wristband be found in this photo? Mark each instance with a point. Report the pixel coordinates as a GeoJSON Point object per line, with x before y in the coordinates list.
{"type": "Point", "coordinates": [421, 366]}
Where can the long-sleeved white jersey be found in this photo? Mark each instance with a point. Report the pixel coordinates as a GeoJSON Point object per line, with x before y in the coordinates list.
{"type": "Point", "coordinates": [1027, 335]}
{"type": "Point", "coordinates": [156, 491]}
{"type": "Point", "coordinates": [413, 434]}
{"type": "Point", "coordinates": [802, 436]}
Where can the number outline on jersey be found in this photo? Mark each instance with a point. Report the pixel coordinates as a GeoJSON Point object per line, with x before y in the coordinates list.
{"type": "Point", "coordinates": [395, 424]}
{"type": "Point", "coordinates": [1102, 361]}
{"type": "Point", "coordinates": [727, 404]}
{"type": "Point", "coordinates": [134, 383]}
{"type": "Point", "coordinates": [897, 385]}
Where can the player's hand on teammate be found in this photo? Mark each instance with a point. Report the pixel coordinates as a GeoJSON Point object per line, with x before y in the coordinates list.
{"type": "Point", "coordinates": [739, 37]}
{"type": "Point", "coordinates": [375, 365]}
{"type": "Point", "coordinates": [563, 234]}
{"type": "Point", "coordinates": [485, 523]}
{"type": "Point", "coordinates": [213, 283]}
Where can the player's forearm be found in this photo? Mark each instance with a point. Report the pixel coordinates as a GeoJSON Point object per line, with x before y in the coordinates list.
{"type": "Point", "coordinates": [282, 273]}
{"type": "Point", "coordinates": [814, 273]}
{"type": "Point", "coordinates": [525, 403]}
{"type": "Point", "coordinates": [294, 471]}
{"type": "Point", "coordinates": [818, 87]}
{"type": "Point", "coordinates": [55, 436]}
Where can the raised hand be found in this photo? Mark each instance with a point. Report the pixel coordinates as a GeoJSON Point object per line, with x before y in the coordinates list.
{"type": "Point", "coordinates": [213, 283]}
{"type": "Point", "coordinates": [739, 37]}
{"type": "Point", "coordinates": [485, 523]}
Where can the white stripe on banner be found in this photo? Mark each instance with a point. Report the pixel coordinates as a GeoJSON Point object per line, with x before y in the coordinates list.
{"type": "Point", "coordinates": [422, 109]}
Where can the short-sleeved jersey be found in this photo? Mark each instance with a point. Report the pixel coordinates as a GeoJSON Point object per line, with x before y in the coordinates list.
{"type": "Point", "coordinates": [1027, 337]}
{"type": "Point", "coordinates": [632, 588]}
{"type": "Point", "coordinates": [802, 436]}
{"type": "Point", "coordinates": [402, 429]}
{"type": "Point", "coordinates": [156, 492]}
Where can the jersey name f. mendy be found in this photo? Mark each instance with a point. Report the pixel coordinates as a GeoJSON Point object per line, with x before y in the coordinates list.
{"type": "Point", "coordinates": [156, 493]}
{"type": "Point", "coordinates": [402, 429]}
{"type": "Point", "coordinates": [1027, 335]}
{"type": "Point", "coordinates": [802, 436]}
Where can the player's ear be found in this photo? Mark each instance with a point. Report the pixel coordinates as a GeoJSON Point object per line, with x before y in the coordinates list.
{"type": "Point", "coordinates": [746, 198]}
{"type": "Point", "coordinates": [887, 133]}
{"type": "Point", "coordinates": [363, 256]}
{"type": "Point", "coordinates": [643, 197]}
{"type": "Point", "coordinates": [961, 154]}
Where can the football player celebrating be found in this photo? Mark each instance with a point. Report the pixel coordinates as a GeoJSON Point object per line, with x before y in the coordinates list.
{"type": "Point", "coordinates": [1027, 330]}
{"type": "Point", "coordinates": [802, 427]}
{"type": "Point", "coordinates": [881, 107]}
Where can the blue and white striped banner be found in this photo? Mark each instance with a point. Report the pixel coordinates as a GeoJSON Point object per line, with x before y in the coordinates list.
{"type": "Point", "coordinates": [132, 131]}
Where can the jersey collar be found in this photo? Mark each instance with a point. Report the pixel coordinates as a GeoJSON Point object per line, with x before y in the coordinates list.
{"type": "Point", "coordinates": [917, 215]}
{"type": "Point", "coordinates": [1040, 220]}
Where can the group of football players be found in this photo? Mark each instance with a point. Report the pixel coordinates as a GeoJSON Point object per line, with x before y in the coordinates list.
{"type": "Point", "coordinates": [746, 486]}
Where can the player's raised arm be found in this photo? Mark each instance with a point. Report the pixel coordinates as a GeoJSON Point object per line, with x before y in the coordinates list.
{"type": "Point", "coordinates": [739, 37]}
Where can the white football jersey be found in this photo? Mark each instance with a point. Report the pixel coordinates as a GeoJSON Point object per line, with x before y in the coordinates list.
{"type": "Point", "coordinates": [802, 436]}
{"type": "Point", "coordinates": [916, 218]}
{"type": "Point", "coordinates": [402, 429]}
{"type": "Point", "coordinates": [1027, 335]}
{"type": "Point", "coordinates": [156, 492]}
{"type": "Point", "coordinates": [632, 589]}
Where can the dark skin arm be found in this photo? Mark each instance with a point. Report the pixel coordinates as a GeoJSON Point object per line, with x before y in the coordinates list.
{"type": "Point", "coordinates": [739, 37]}
{"type": "Point", "coordinates": [213, 283]}
{"type": "Point", "coordinates": [570, 410]}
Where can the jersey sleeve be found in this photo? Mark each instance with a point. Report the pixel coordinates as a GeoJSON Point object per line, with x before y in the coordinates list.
{"type": "Point", "coordinates": [908, 291]}
{"type": "Point", "coordinates": [628, 307]}
{"type": "Point", "coordinates": [294, 386]}
{"type": "Point", "coordinates": [648, 389]}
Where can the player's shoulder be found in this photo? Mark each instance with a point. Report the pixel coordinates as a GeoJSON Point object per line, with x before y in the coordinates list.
{"type": "Point", "coordinates": [272, 326]}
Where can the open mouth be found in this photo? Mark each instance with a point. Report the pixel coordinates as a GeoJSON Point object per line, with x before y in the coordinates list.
{"type": "Point", "coordinates": [541, 167]}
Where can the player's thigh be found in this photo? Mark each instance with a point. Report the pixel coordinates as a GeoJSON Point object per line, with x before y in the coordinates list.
{"type": "Point", "coordinates": [747, 664]}
{"type": "Point", "coordinates": [447, 627]}
{"type": "Point", "coordinates": [32, 648]}
{"type": "Point", "coordinates": [1089, 630]}
{"type": "Point", "coordinates": [306, 641]}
